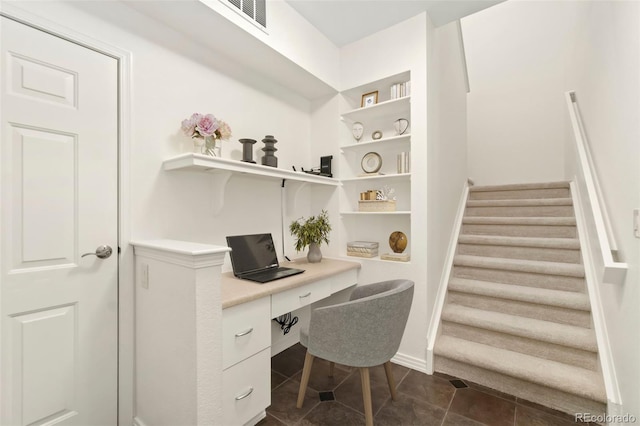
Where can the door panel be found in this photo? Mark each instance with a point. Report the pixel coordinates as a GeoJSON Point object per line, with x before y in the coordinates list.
{"type": "Point", "coordinates": [58, 200]}
{"type": "Point", "coordinates": [44, 180]}
{"type": "Point", "coordinates": [47, 384]}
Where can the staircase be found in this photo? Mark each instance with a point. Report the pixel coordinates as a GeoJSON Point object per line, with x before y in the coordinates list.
{"type": "Point", "coordinates": [517, 315]}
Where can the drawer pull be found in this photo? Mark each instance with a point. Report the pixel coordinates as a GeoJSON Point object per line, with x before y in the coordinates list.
{"type": "Point", "coordinates": [244, 333]}
{"type": "Point", "coordinates": [305, 295]}
{"type": "Point", "coordinates": [244, 395]}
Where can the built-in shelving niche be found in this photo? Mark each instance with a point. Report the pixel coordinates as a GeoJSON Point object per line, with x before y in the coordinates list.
{"type": "Point", "coordinates": [374, 226]}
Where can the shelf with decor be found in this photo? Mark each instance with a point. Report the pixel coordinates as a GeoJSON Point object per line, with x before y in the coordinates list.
{"type": "Point", "coordinates": [223, 169]}
{"type": "Point", "coordinates": [206, 163]}
{"type": "Point", "coordinates": [375, 162]}
{"type": "Point", "coordinates": [391, 141]}
{"type": "Point", "coordinates": [392, 107]}
{"type": "Point", "coordinates": [381, 177]}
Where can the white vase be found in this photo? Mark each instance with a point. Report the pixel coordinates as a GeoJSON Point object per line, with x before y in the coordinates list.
{"type": "Point", "coordinates": [314, 255]}
{"type": "Point", "coordinates": [212, 146]}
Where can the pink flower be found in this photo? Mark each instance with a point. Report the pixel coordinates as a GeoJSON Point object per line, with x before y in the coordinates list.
{"type": "Point", "coordinates": [224, 131]}
{"type": "Point", "coordinates": [207, 125]}
{"type": "Point", "coordinates": [189, 124]}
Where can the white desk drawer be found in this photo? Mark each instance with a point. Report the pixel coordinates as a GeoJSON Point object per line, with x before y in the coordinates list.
{"type": "Point", "coordinates": [246, 330]}
{"type": "Point", "coordinates": [295, 298]}
{"type": "Point", "coordinates": [246, 389]}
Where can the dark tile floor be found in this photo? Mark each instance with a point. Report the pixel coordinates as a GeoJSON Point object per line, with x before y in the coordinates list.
{"type": "Point", "coordinates": [422, 399]}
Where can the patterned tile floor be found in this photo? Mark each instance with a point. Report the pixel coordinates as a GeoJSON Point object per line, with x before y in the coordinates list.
{"type": "Point", "coordinates": [422, 399]}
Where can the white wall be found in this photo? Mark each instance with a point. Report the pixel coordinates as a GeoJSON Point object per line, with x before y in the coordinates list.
{"type": "Point", "coordinates": [605, 73]}
{"type": "Point", "coordinates": [171, 78]}
{"type": "Point", "coordinates": [517, 55]}
{"type": "Point", "coordinates": [446, 148]}
{"type": "Point", "coordinates": [394, 50]}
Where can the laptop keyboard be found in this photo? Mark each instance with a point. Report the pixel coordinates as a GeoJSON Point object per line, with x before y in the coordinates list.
{"type": "Point", "coordinates": [272, 274]}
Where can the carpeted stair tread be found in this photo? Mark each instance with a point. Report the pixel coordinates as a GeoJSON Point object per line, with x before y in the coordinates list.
{"type": "Point", "coordinates": [517, 316]}
{"type": "Point", "coordinates": [558, 298]}
{"type": "Point", "coordinates": [536, 329]}
{"type": "Point", "coordinates": [520, 265]}
{"type": "Point", "coordinates": [526, 202]}
{"type": "Point", "coordinates": [514, 220]}
{"type": "Point", "coordinates": [555, 243]}
{"type": "Point", "coordinates": [518, 186]}
{"type": "Point", "coordinates": [579, 381]}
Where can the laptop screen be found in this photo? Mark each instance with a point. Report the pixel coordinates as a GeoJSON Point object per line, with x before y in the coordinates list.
{"type": "Point", "coordinates": [252, 253]}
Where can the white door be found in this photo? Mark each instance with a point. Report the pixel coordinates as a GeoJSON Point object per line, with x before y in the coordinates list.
{"type": "Point", "coordinates": [58, 200]}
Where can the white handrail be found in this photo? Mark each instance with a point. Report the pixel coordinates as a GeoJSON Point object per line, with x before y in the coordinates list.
{"type": "Point", "coordinates": [614, 272]}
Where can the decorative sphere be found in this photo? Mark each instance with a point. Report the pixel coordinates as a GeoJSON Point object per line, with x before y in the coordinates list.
{"type": "Point", "coordinates": [397, 241]}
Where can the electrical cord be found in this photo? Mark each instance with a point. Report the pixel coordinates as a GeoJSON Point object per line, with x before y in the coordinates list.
{"type": "Point", "coordinates": [286, 322]}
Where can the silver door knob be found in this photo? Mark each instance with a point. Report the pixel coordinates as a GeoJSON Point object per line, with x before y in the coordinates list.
{"type": "Point", "coordinates": [102, 252]}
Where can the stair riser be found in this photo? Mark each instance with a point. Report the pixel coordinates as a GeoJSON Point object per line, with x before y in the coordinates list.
{"type": "Point", "coordinates": [520, 194]}
{"type": "Point", "coordinates": [523, 309]}
{"type": "Point", "coordinates": [567, 355]}
{"type": "Point", "coordinates": [559, 231]}
{"type": "Point", "coordinates": [520, 211]}
{"type": "Point", "coordinates": [528, 391]}
{"type": "Point", "coordinates": [525, 253]}
{"type": "Point", "coordinates": [552, 282]}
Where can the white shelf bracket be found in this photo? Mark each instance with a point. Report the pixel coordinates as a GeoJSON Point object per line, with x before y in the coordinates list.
{"type": "Point", "coordinates": [219, 182]}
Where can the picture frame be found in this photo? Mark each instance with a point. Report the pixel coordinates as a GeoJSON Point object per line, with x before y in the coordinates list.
{"type": "Point", "coordinates": [369, 99]}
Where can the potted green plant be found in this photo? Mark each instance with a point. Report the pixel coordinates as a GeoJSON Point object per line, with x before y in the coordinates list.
{"type": "Point", "coordinates": [311, 232]}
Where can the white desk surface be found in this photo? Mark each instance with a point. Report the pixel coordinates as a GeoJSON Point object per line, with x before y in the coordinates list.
{"type": "Point", "coordinates": [236, 291]}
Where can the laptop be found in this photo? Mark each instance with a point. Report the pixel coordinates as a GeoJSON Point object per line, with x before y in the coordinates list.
{"type": "Point", "coordinates": [253, 257]}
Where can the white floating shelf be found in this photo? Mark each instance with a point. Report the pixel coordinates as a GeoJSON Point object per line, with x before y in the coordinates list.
{"type": "Point", "coordinates": [401, 107]}
{"type": "Point", "coordinates": [399, 176]}
{"type": "Point", "coordinates": [406, 138]}
{"type": "Point", "coordinates": [205, 163]}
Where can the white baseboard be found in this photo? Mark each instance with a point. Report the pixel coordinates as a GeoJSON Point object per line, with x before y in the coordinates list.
{"type": "Point", "coordinates": [256, 419]}
{"type": "Point", "coordinates": [410, 362]}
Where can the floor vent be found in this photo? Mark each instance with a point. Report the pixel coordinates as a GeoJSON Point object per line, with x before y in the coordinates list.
{"type": "Point", "coordinates": [255, 10]}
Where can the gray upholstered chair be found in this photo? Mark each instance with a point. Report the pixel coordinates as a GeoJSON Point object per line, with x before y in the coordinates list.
{"type": "Point", "coordinates": [363, 332]}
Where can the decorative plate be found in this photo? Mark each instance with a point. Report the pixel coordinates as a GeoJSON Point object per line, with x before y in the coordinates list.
{"type": "Point", "coordinates": [371, 162]}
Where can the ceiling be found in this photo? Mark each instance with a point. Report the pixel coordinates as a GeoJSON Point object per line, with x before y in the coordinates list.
{"type": "Point", "coordinates": [345, 21]}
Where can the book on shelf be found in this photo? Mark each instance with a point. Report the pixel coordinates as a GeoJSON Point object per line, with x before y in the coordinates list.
{"type": "Point", "coordinates": [400, 90]}
{"type": "Point", "coordinates": [404, 162]}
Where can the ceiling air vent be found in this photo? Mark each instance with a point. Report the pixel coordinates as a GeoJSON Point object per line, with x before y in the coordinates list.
{"type": "Point", "coordinates": [255, 10]}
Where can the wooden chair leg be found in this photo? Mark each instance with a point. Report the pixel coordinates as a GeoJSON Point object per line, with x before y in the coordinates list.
{"type": "Point", "coordinates": [306, 372]}
{"type": "Point", "coordinates": [366, 396]}
{"type": "Point", "coordinates": [331, 368]}
{"type": "Point", "coordinates": [390, 379]}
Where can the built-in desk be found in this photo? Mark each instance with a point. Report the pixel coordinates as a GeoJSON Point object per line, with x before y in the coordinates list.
{"type": "Point", "coordinates": [236, 291]}
{"type": "Point", "coordinates": [247, 336]}
{"type": "Point", "coordinates": [204, 339]}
